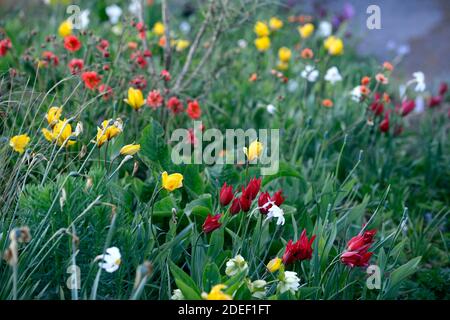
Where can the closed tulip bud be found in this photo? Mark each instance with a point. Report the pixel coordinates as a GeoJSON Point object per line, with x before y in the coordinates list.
{"type": "Point", "coordinates": [130, 149]}
{"type": "Point", "coordinates": [226, 194]}
{"type": "Point", "coordinates": [211, 223]}
{"type": "Point", "coordinates": [253, 188]}
{"type": "Point", "coordinates": [245, 201]}
{"type": "Point", "coordinates": [262, 200]}
{"type": "Point", "coordinates": [274, 264]}
{"type": "Point", "coordinates": [135, 98]}
{"type": "Point", "coordinates": [235, 207]}
{"type": "Point", "coordinates": [254, 151]}
{"type": "Point", "coordinates": [300, 250]}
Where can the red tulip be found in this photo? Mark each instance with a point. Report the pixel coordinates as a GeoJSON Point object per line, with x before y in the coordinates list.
{"type": "Point", "coordinates": [262, 200]}
{"type": "Point", "coordinates": [443, 89]}
{"type": "Point", "coordinates": [211, 223]}
{"type": "Point", "coordinates": [377, 106]}
{"type": "Point", "coordinates": [226, 194]}
{"type": "Point", "coordinates": [384, 125]}
{"type": "Point", "coordinates": [407, 107]}
{"type": "Point", "coordinates": [278, 198]}
{"type": "Point", "coordinates": [300, 250]}
{"type": "Point", "coordinates": [245, 201]}
{"type": "Point", "coordinates": [253, 188]}
{"type": "Point", "coordinates": [356, 254]}
{"type": "Point", "coordinates": [5, 45]}
{"type": "Point", "coordinates": [435, 101]}
{"type": "Point", "coordinates": [235, 207]}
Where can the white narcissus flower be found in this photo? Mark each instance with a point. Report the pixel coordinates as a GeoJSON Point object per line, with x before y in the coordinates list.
{"type": "Point", "coordinates": [325, 29]}
{"type": "Point", "coordinates": [333, 75]}
{"type": "Point", "coordinates": [242, 43]}
{"type": "Point", "coordinates": [271, 108]}
{"type": "Point", "coordinates": [420, 104]}
{"type": "Point", "coordinates": [236, 265]}
{"type": "Point", "coordinates": [275, 212]}
{"type": "Point", "coordinates": [111, 260]}
{"type": "Point", "coordinates": [258, 289]}
{"type": "Point", "coordinates": [419, 79]}
{"type": "Point", "coordinates": [310, 73]}
{"type": "Point", "coordinates": [113, 12]}
{"type": "Point", "coordinates": [177, 295]}
{"type": "Point", "coordinates": [135, 7]}
{"type": "Point", "coordinates": [290, 282]}
{"type": "Point", "coordinates": [84, 19]}
{"type": "Point", "coordinates": [356, 94]}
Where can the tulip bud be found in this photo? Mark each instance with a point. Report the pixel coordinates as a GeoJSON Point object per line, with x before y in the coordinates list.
{"type": "Point", "coordinates": [226, 194]}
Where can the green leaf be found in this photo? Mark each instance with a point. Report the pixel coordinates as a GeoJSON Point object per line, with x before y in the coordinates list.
{"type": "Point", "coordinates": [285, 170]}
{"type": "Point", "coordinates": [200, 206]}
{"type": "Point", "coordinates": [153, 146]}
{"type": "Point", "coordinates": [211, 276]}
{"type": "Point", "coordinates": [163, 207]}
{"type": "Point", "coordinates": [193, 181]}
{"type": "Point", "coordinates": [183, 277]}
{"type": "Point", "coordinates": [216, 243]}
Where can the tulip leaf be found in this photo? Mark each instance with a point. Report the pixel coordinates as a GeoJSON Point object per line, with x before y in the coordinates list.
{"type": "Point", "coordinates": [184, 278]}
{"type": "Point", "coordinates": [200, 206]}
{"type": "Point", "coordinates": [163, 207]}
{"type": "Point", "coordinates": [285, 170]}
{"type": "Point", "coordinates": [211, 276]}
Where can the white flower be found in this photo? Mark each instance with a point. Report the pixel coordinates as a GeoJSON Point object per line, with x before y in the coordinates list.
{"type": "Point", "coordinates": [275, 212]}
{"type": "Point", "coordinates": [78, 129]}
{"type": "Point", "coordinates": [290, 282]}
{"type": "Point", "coordinates": [292, 85]}
{"type": "Point", "coordinates": [84, 19]}
{"type": "Point", "coordinates": [271, 108]}
{"type": "Point", "coordinates": [258, 288]}
{"type": "Point", "coordinates": [185, 27]}
{"type": "Point", "coordinates": [177, 295]}
{"type": "Point", "coordinates": [333, 75]}
{"type": "Point", "coordinates": [419, 78]}
{"type": "Point", "coordinates": [135, 7]}
{"type": "Point", "coordinates": [310, 73]}
{"type": "Point", "coordinates": [242, 43]}
{"type": "Point", "coordinates": [111, 260]}
{"type": "Point", "coordinates": [325, 29]}
{"type": "Point", "coordinates": [356, 94]}
{"type": "Point", "coordinates": [114, 12]}
{"type": "Point", "coordinates": [236, 265]}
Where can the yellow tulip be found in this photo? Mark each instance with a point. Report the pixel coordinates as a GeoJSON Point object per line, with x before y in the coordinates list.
{"type": "Point", "coordinates": [306, 30]}
{"type": "Point", "coordinates": [274, 265]}
{"type": "Point", "coordinates": [261, 29]}
{"type": "Point", "coordinates": [135, 98]}
{"type": "Point", "coordinates": [216, 293]}
{"type": "Point", "coordinates": [65, 29]}
{"type": "Point", "coordinates": [53, 115]}
{"type": "Point", "coordinates": [172, 181]}
{"type": "Point", "coordinates": [19, 142]}
{"type": "Point", "coordinates": [62, 131]}
{"type": "Point", "coordinates": [334, 46]}
{"type": "Point", "coordinates": [108, 130]}
{"type": "Point", "coordinates": [158, 29]}
{"type": "Point", "coordinates": [130, 149]}
{"type": "Point", "coordinates": [275, 23]}
{"type": "Point", "coordinates": [262, 44]}
{"type": "Point", "coordinates": [282, 66]}
{"type": "Point", "coordinates": [254, 150]}
{"type": "Point", "coordinates": [180, 45]}
{"type": "Point", "coordinates": [284, 54]}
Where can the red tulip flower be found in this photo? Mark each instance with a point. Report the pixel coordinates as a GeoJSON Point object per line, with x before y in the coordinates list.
{"type": "Point", "coordinates": [435, 101]}
{"type": "Point", "coordinates": [300, 250]}
{"type": "Point", "coordinates": [226, 194]}
{"type": "Point", "coordinates": [357, 254]}
{"type": "Point", "coordinates": [245, 201]}
{"type": "Point", "coordinates": [253, 188]}
{"type": "Point", "coordinates": [264, 197]}
{"type": "Point", "coordinates": [377, 105]}
{"type": "Point", "coordinates": [5, 45]}
{"type": "Point", "coordinates": [278, 198]}
{"type": "Point", "coordinates": [407, 107]}
{"type": "Point", "coordinates": [443, 89]}
{"type": "Point", "coordinates": [384, 125]}
{"type": "Point", "coordinates": [211, 223]}
{"type": "Point", "coordinates": [235, 207]}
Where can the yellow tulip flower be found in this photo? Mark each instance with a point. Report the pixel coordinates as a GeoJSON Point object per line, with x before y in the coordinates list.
{"type": "Point", "coordinates": [216, 293]}
{"type": "Point", "coordinates": [262, 44]}
{"type": "Point", "coordinates": [334, 46]}
{"type": "Point", "coordinates": [108, 130]}
{"type": "Point", "coordinates": [61, 133]}
{"type": "Point", "coordinates": [254, 150]}
{"type": "Point", "coordinates": [261, 29]}
{"type": "Point", "coordinates": [53, 115]}
{"type": "Point", "coordinates": [158, 29]}
{"type": "Point", "coordinates": [172, 181]}
{"type": "Point", "coordinates": [135, 98]}
{"type": "Point", "coordinates": [284, 54]}
{"type": "Point", "coordinates": [306, 30]}
{"type": "Point", "coordinates": [65, 29]}
{"type": "Point", "coordinates": [275, 23]}
{"type": "Point", "coordinates": [130, 149]}
{"type": "Point", "coordinates": [19, 142]}
{"type": "Point", "coordinates": [274, 265]}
